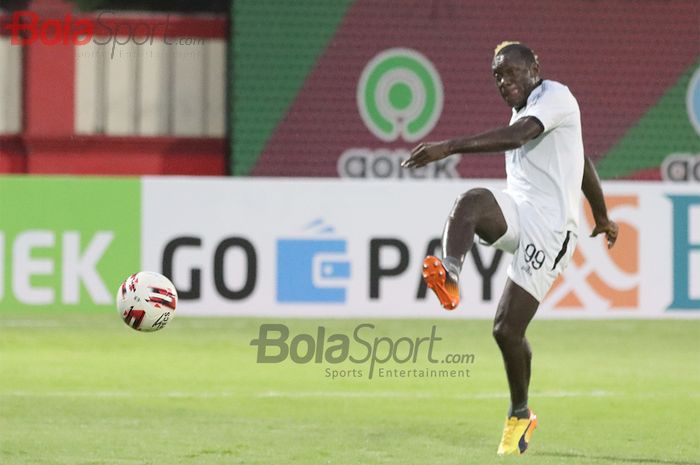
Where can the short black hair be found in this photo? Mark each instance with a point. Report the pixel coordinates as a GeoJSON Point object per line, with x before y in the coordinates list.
{"type": "Point", "coordinates": [521, 50]}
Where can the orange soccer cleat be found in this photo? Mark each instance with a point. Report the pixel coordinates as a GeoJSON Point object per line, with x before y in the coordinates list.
{"type": "Point", "coordinates": [436, 278]}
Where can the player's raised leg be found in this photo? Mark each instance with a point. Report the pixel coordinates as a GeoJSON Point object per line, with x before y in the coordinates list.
{"type": "Point", "coordinates": [475, 211]}
{"type": "Point", "coordinates": [515, 311]}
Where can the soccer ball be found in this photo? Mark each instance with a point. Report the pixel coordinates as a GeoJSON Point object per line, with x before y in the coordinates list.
{"type": "Point", "coordinates": [146, 301]}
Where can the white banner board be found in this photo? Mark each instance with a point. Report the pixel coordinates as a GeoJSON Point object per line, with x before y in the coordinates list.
{"type": "Point", "coordinates": [340, 248]}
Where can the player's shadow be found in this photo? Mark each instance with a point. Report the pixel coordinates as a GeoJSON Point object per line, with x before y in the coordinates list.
{"type": "Point", "coordinates": [617, 459]}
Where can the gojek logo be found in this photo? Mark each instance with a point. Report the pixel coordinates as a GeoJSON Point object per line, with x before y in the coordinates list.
{"type": "Point", "coordinates": [399, 97]}
{"type": "Point", "coordinates": [399, 94]}
{"type": "Point", "coordinates": [312, 269]}
{"type": "Point", "coordinates": [692, 100]}
{"type": "Point", "coordinates": [685, 166]}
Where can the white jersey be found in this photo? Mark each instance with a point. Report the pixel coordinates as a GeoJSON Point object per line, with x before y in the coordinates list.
{"type": "Point", "coordinates": [547, 171]}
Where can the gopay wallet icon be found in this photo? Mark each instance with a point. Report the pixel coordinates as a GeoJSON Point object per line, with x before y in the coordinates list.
{"type": "Point", "coordinates": [312, 269]}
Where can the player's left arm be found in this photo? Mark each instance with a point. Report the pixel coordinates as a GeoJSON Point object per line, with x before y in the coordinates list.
{"type": "Point", "coordinates": [496, 140]}
{"type": "Point", "coordinates": [594, 194]}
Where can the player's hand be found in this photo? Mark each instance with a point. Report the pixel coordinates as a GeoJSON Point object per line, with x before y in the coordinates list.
{"type": "Point", "coordinates": [425, 153]}
{"type": "Point", "coordinates": [609, 228]}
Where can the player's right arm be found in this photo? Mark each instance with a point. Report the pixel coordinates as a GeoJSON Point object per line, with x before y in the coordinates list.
{"type": "Point", "coordinates": [497, 140]}
{"type": "Point", "coordinates": [594, 194]}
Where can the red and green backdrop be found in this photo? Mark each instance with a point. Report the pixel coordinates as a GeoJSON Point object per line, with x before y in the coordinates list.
{"type": "Point", "coordinates": [296, 68]}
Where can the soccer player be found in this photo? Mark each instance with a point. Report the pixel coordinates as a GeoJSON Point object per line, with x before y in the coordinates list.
{"type": "Point", "coordinates": [535, 218]}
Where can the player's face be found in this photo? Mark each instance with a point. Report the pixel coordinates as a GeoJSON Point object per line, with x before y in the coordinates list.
{"type": "Point", "coordinates": [514, 79]}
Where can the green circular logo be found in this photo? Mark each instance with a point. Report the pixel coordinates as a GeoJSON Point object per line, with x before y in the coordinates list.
{"type": "Point", "coordinates": [399, 95]}
{"type": "Point", "coordinates": [692, 100]}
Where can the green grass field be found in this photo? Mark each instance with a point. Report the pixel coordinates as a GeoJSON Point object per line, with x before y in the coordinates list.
{"type": "Point", "coordinates": [85, 389]}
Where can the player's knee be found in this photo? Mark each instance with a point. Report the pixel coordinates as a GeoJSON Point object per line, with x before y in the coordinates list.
{"type": "Point", "coordinates": [506, 335]}
{"type": "Point", "coordinates": [476, 196]}
{"type": "Point", "coordinates": [470, 202]}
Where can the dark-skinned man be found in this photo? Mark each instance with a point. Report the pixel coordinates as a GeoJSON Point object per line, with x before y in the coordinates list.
{"type": "Point", "coordinates": [535, 218]}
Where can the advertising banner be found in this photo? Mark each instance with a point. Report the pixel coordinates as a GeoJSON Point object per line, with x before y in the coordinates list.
{"type": "Point", "coordinates": [67, 243]}
{"type": "Point", "coordinates": [347, 88]}
{"type": "Point", "coordinates": [322, 248]}
{"type": "Point", "coordinates": [328, 248]}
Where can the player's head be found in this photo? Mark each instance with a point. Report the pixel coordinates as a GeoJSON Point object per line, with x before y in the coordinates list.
{"type": "Point", "coordinates": [517, 72]}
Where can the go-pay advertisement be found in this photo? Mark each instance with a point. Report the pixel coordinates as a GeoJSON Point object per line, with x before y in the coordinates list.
{"type": "Point", "coordinates": [322, 248]}
{"type": "Point", "coordinates": [329, 248]}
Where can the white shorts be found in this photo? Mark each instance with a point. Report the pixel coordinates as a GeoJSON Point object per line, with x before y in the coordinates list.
{"type": "Point", "coordinates": [540, 253]}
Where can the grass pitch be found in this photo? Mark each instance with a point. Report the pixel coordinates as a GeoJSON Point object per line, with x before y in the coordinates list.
{"type": "Point", "coordinates": [80, 389]}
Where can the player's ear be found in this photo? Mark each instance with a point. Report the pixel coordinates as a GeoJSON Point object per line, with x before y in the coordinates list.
{"type": "Point", "coordinates": [535, 70]}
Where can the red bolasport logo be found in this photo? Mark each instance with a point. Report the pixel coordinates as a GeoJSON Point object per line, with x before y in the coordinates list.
{"type": "Point", "coordinates": [27, 28]}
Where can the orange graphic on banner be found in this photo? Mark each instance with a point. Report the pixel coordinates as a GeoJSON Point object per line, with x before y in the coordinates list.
{"type": "Point", "coordinates": [611, 282]}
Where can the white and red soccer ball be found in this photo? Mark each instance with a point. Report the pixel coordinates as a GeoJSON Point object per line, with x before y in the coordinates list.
{"type": "Point", "coordinates": [146, 301]}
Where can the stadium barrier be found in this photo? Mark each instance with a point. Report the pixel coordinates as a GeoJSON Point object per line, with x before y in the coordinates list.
{"type": "Point", "coordinates": [321, 248]}
{"type": "Point", "coordinates": [140, 93]}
